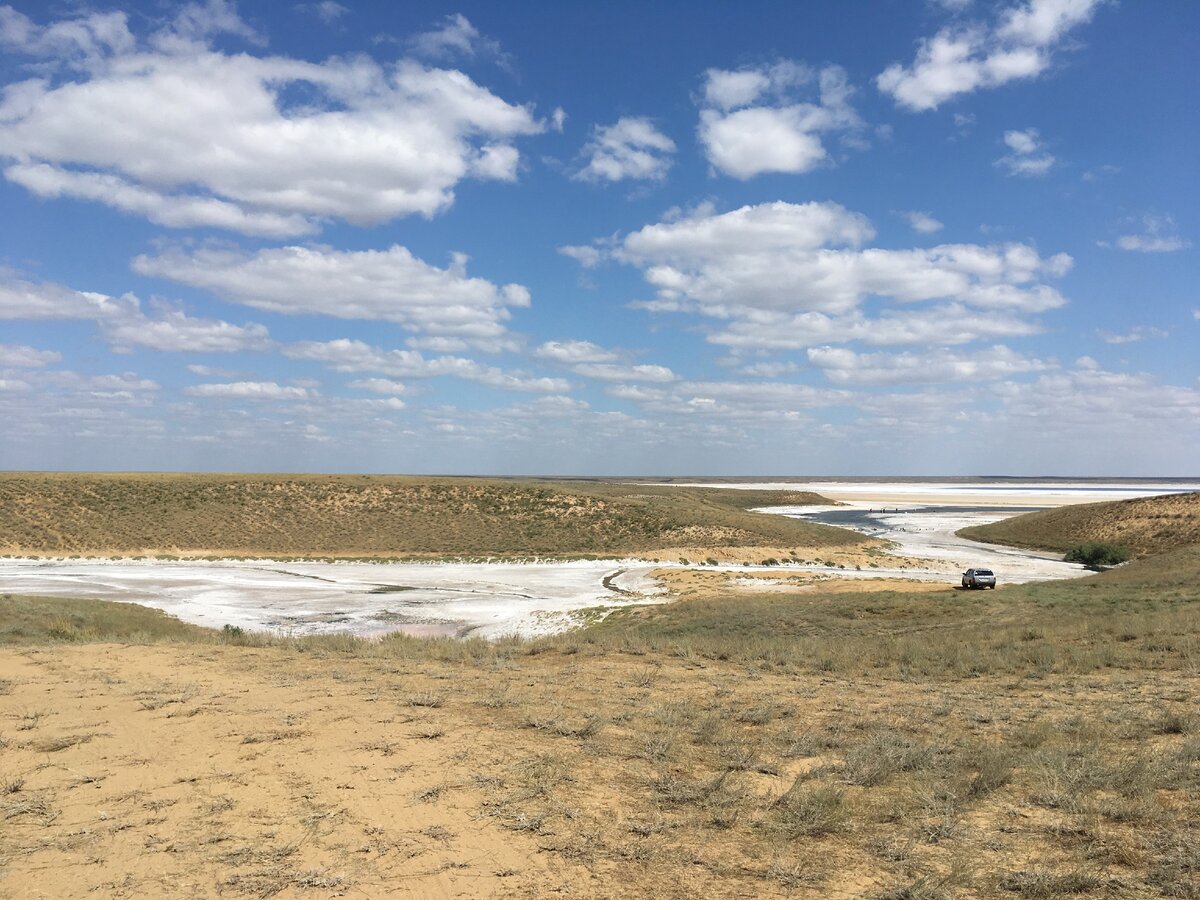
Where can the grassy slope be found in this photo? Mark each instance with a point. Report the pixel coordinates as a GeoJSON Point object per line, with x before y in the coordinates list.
{"type": "Point", "coordinates": [333, 515]}
{"type": "Point", "coordinates": [1146, 525]}
{"type": "Point", "coordinates": [36, 620]}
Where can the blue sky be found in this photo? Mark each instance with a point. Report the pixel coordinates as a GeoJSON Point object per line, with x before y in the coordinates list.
{"type": "Point", "coordinates": [949, 237]}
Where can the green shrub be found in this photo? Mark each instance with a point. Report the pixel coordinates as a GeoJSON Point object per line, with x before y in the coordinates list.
{"type": "Point", "coordinates": [1094, 553]}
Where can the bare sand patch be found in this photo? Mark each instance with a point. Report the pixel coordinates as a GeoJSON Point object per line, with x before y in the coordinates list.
{"type": "Point", "coordinates": [230, 772]}
{"type": "Point", "coordinates": [870, 552]}
{"type": "Point", "coordinates": [698, 582]}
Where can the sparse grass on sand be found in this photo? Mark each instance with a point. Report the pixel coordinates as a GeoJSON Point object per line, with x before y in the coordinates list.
{"type": "Point", "coordinates": [1037, 741]}
{"type": "Point", "coordinates": [377, 516]}
{"type": "Point", "coordinates": [1145, 525]}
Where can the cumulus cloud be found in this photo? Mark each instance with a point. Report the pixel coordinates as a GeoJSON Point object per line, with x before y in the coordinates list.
{"type": "Point", "coordinates": [455, 37]}
{"type": "Point", "coordinates": [386, 285]}
{"type": "Point", "coordinates": [747, 402]}
{"type": "Point", "coordinates": [631, 149]}
{"type": "Point", "coordinates": [752, 120]}
{"type": "Point", "coordinates": [575, 352]}
{"type": "Point", "coordinates": [1090, 399]}
{"type": "Point", "coordinates": [327, 10]}
{"type": "Point", "coordinates": [798, 274]}
{"type": "Point", "coordinates": [21, 356]}
{"type": "Point", "coordinates": [248, 390]}
{"type": "Point", "coordinates": [612, 372]}
{"type": "Point", "coordinates": [922, 222]}
{"type": "Point", "coordinates": [380, 385]}
{"type": "Point", "coordinates": [20, 299]}
{"type": "Point", "coordinates": [81, 40]}
{"type": "Point", "coordinates": [1028, 156]}
{"type": "Point", "coordinates": [1134, 335]}
{"type": "Point", "coordinates": [1159, 234]}
{"type": "Point", "coordinates": [843, 366]}
{"type": "Point", "coordinates": [967, 57]}
{"type": "Point", "coordinates": [173, 331]}
{"type": "Point", "coordinates": [586, 256]}
{"type": "Point", "coordinates": [770, 369]}
{"type": "Point", "coordinates": [591, 361]}
{"type": "Point", "coordinates": [123, 323]}
{"type": "Point", "coordinates": [946, 324]}
{"type": "Point", "coordinates": [344, 355]}
{"type": "Point", "coordinates": [218, 140]}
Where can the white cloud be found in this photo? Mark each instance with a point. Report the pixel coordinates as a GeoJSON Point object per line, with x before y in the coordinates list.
{"type": "Point", "coordinates": [196, 22]}
{"type": "Point", "coordinates": [1098, 173]}
{"type": "Point", "coordinates": [212, 139]}
{"type": "Point", "coordinates": [747, 402]}
{"type": "Point", "coordinates": [611, 372]}
{"type": "Point", "coordinates": [380, 385]}
{"type": "Point", "coordinates": [122, 322]}
{"type": "Point", "coordinates": [1090, 400]}
{"type": "Point", "coordinates": [20, 356]}
{"type": "Point", "coordinates": [752, 122]}
{"type": "Point", "coordinates": [344, 355]}
{"type": "Point", "coordinates": [82, 40]}
{"type": "Point", "coordinates": [962, 59]}
{"type": "Point", "coordinates": [386, 285]}
{"type": "Point", "coordinates": [455, 37]}
{"type": "Point", "coordinates": [948, 324]}
{"type": "Point", "coordinates": [770, 369]}
{"type": "Point", "coordinates": [842, 366]}
{"type": "Point", "coordinates": [1028, 156]}
{"type": "Point", "coordinates": [1144, 243]}
{"type": "Point", "coordinates": [1134, 335]}
{"type": "Point", "coordinates": [212, 371]}
{"type": "Point", "coordinates": [327, 10]}
{"type": "Point", "coordinates": [791, 275]}
{"type": "Point", "coordinates": [632, 148]}
{"type": "Point", "coordinates": [249, 390]}
{"type": "Point", "coordinates": [574, 352]}
{"type": "Point", "coordinates": [170, 210]}
{"type": "Point", "coordinates": [588, 257]}
{"type": "Point", "coordinates": [21, 299]}
{"type": "Point", "coordinates": [922, 222]}
{"type": "Point", "coordinates": [174, 331]}
{"type": "Point", "coordinates": [1159, 235]}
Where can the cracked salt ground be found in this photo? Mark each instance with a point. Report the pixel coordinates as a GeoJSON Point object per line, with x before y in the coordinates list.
{"type": "Point", "coordinates": [487, 599]}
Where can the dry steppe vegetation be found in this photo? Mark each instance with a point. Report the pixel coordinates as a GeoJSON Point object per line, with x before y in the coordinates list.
{"type": "Point", "coordinates": [1144, 525]}
{"type": "Point", "coordinates": [769, 734]}
{"type": "Point", "coordinates": [368, 516]}
{"type": "Point", "coordinates": [1036, 741]}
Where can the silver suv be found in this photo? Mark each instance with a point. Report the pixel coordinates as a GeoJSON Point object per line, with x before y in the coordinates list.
{"type": "Point", "coordinates": [979, 578]}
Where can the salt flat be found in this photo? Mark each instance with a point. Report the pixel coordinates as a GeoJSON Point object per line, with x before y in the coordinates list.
{"type": "Point", "coordinates": [967, 493]}
{"type": "Point", "coordinates": [494, 599]}
{"type": "Point", "coordinates": [488, 599]}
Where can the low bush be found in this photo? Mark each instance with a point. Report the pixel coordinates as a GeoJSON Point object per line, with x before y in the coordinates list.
{"type": "Point", "coordinates": [1094, 553]}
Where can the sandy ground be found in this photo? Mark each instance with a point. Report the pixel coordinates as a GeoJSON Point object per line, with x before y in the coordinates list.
{"type": "Point", "coordinates": [224, 771]}
{"type": "Point", "coordinates": [189, 772]}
